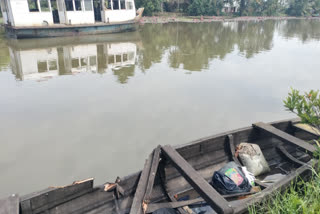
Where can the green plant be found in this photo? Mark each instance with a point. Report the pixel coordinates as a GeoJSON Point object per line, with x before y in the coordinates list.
{"type": "Point", "coordinates": [306, 106]}
{"type": "Point", "coordinates": [302, 197]}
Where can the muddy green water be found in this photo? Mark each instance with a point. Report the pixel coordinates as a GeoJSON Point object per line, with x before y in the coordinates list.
{"type": "Point", "coordinates": [73, 108]}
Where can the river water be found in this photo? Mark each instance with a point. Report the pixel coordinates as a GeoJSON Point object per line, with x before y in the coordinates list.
{"type": "Point", "coordinates": [74, 108]}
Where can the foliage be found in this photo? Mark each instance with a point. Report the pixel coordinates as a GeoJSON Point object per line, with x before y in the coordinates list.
{"type": "Point", "coordinates": [245, 7]}
{"type": "Point", "coordinates": [298, 8]}
{"type": "Point", "coordinates": [300, 198]}
{"type": "Point", "coordinates": [205, 7]}
{"type": "Point", "coordinates": [306, 106]}
{"type": "Point", "coordinates": [150, 6]}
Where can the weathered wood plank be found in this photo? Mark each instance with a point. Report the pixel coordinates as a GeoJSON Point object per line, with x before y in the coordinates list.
{"type": "Point", "coordinates": [152, 173]}
{"type": "Point", "coordinates": [10, 205]}
{"type": "Point", "coordinates": [289, 156]}
{"type": "Point", "coordinates": [283, 136]}
{"type": "Point", "coordinates": [45, 200]}
{"type": "Point", "coordinates": [146, 181]}
{"type": "Point", "coordinates": [233, 149]}
{"type": "Point", "coordinates": [307, 128]}
{"type": "Point", "coordinates": [205, 190]}
{"type": "Point", "coordinates": [136, 207]}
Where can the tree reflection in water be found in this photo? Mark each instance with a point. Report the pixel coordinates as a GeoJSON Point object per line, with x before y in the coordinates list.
{"type": "Point", "coordinates": [184, 45]}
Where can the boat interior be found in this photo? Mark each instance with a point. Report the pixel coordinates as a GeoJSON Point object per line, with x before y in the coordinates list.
{"type": "Point", "coordinates": [180, 177]}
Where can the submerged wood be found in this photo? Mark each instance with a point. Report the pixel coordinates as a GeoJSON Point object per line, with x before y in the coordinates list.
{"type": "Point", "coordinates": [183, 170]}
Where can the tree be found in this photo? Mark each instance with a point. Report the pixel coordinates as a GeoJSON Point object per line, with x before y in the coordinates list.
{"type": "Point", "coordinates": [205, 7]}
{"type": "Point", "coordinates": [150, 6]}
{"type": "Point", "coordinates": [299, 7]}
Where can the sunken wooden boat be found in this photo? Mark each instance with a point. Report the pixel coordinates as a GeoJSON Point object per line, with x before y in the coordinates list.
{"type": "Point", "coordinates": [171, 173]}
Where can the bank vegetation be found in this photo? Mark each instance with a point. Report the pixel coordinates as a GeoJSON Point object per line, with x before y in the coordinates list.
{"type": "Point", "coordinates": [233, 7]}
{"type": "Point", "coordinates": [302, 197]}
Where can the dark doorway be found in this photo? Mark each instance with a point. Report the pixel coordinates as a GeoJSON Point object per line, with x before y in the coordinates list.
{"type": "Point", "coordinates": [97, 10]}
{"type": "Point", "coordinates": [55, 12]}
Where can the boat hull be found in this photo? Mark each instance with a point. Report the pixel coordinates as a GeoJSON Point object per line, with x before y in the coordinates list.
{"type": "Point", "coordinates": [65, 30]}
{"type": "Point", "coordinates": [205, 156]}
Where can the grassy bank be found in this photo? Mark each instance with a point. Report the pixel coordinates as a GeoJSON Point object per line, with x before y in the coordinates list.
{"type": "Point", "coordinates": [1, 20]}
{"type": "Point", "coordinates": [300, 198]}
{"type": "Point", "coordinates": [167, 18]}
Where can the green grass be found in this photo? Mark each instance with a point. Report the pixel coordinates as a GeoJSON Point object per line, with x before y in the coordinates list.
{"type": "Point", "coordinates": [300, 198]}
{"type": "Point", "coordinates": [1, 20]}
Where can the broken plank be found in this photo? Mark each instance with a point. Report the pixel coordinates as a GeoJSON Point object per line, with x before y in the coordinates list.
{"type": "Point", "coordinates": [283, 136]}
{"type": "Point", "coordinates": [136, 207]}
{"type": "Point", "coordinates": [51, 197]}
{"type": "Point", "coordinates": [152, 173]}
{"type": "Point", "coordinates": [204, 189]}
{"type": "Point", "coordinates": [9, 205]}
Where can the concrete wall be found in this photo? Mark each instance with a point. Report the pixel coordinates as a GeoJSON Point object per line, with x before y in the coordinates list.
{"type": "Point", "coordinates": [23, 17]}
{"type": "Point", "coordinates": [120, 15]}
{"type": "Point", "coordinates": [80, 17]}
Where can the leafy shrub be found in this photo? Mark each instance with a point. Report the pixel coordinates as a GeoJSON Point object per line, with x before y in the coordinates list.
{"type": "Point", "coordinates": [306, 106]}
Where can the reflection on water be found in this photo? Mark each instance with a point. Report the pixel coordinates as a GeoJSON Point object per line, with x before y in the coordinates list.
{"type": "Point", "coordinates": [190, 46]}
{"type": "Point", "coordinates": [104, 102]}
{"type": "Point", "coordinates": [41, 64]}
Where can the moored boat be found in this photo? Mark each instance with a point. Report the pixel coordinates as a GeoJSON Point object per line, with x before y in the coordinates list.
{"type": "Point", "coordinates": [179, 177]}
{"type": "Point", "coordinates": [58, 18]}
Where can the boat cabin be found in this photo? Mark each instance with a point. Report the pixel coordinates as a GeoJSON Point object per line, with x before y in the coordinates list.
{"type": "Point", "coordinates": [37, 13]}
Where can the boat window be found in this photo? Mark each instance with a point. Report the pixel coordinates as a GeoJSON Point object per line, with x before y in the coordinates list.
{"type": "Point", "coordinates": [42, 66]}
{"type": "Point", "coordinates": [84, 62]}
{"type": "Point", "coordinates": [110, 59]}
{"type": "Point", "coordinates": [125, 57]}
{"type": "Point", "coordinates": [123, 4]}
{"type": "Point", "coordinates": [88, 5]}
{"type": "Point", "coordinates": [77, 4]}
{"type": "Point", "coordinates": [44, 5]}
{"type": "Point", "coordinates": [129, 5]}
{"type": "Point", "coordinates": [75, 63]}
{"type": "Point", "coordinates": [118, 58]}
{"type": "Point", "coordinates": [53, 65]}
{"type": "Point", "coordinates": [93, 60]}
{"type": "Point", "coordinates": [69, 5]}
{"type": "Point", "coordinates": [115, 5]}
{"type": "Point", "coordinates": [108, 4]}
{"type": "Point", "coordinates": [33, 6]}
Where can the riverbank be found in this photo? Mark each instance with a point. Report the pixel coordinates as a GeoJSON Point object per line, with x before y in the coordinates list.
{"type": "Point", "coordinates": [195, 19]}
{"type": "Point", "coordinates": [301, 197]}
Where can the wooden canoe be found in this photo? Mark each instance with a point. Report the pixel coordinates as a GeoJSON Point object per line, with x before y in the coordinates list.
{"type": "Point", "coordinates": [171, 173]}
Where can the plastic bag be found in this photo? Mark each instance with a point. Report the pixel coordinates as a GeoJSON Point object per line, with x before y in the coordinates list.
{"type": "Point", "coordinates": [230, 180]}
{"type": "Point", "coordinates": [252, 157]}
